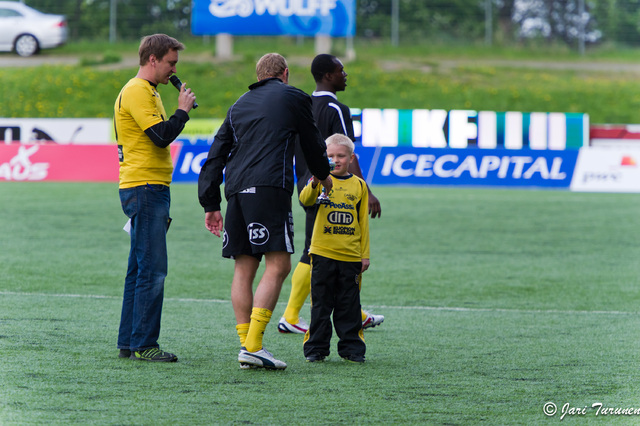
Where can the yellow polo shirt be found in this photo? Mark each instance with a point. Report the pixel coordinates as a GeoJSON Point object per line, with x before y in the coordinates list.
{"type": "Point", "coordinates": [137, 108]}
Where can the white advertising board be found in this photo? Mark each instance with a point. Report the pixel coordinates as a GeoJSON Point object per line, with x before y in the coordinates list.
{"type": "Point", "coordinates": [601, 169]}
{"type": "Point", "coordinates": [64, 131]}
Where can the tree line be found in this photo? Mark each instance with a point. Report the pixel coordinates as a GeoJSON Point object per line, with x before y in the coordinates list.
{"type": "Point", "coordinates": [506, 21]}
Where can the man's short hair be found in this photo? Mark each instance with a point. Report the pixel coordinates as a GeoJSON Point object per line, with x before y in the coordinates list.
{"type": "Point", "coordinates": [271, 65]}
{"type": "Point", "coordinates": [321, 65]}
{"type": "Point", "coordinates": [341, 140]}
{"type": "Point", "coordinates": [157, 45]}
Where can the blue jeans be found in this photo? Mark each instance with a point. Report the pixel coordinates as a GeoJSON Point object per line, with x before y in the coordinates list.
{"type": "Point", "coordinates": [148, 208]}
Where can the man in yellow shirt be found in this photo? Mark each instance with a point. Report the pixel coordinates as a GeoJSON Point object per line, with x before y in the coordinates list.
{"type": "Point", "coordinates": [143, 134]}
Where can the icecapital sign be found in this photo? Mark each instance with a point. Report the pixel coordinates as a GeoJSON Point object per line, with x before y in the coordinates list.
{"type": "Point", "coordinates": [274, 17]}
{"type": "Point", "coordinates": [436, 166]}
{"type": "Point", "coordinates": [468, 167]}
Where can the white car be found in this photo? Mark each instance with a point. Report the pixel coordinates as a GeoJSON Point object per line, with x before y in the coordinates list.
{"type": "Point", "coordinates": [26, 30]}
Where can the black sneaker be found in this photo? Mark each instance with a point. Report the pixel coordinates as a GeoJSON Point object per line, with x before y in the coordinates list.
{"type": "Point", "coordinates": [354, 358]}
{"type": "Point", "coordinates": [315, 358]}
{"type": "Point", "coordinates": [124, 353]}
{"type": "Point", "coordinates": [153, 355]}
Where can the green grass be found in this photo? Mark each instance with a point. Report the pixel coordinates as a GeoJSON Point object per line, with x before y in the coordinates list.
{"type": "Point", "coordinates": [412, 76]}
{"type": "Point", "coordinates": [496, 302]}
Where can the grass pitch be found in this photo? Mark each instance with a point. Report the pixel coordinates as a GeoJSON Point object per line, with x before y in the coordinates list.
{"type": "Point", "coordinates": [497, 302]}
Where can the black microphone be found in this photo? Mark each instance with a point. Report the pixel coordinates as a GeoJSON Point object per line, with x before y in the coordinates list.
{"type": "Point", "coordinates": [178, 85]}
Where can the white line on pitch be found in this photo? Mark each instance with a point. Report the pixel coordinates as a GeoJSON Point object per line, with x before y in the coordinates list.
{"type": "Point", "coordinates": [417, 308]}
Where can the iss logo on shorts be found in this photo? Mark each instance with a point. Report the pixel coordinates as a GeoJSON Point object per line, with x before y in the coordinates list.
{"type": "Point", "coordinates": [258, 233]}
{"type": "Point", "coordinates": [225, 239]}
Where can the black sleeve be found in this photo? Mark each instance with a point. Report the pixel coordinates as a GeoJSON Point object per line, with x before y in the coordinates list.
{"type": "Point", "coordinates": [211, 175]}
{"type": "Point", "coordinates": [311, 142]}
{"type": "Point", "coordinates": [165, 132]}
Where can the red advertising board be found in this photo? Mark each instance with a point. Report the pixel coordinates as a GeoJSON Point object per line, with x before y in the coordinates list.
{"type": "Point", "coordinates": [65, 163]}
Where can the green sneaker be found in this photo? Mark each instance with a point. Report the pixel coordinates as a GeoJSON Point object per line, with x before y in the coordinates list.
{"type": "Point", "coordinates": [154, 355]}
{"type": "Point", "coordinates": [124, 353]}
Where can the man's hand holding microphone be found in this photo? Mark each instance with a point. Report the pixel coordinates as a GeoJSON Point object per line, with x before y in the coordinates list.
{"type": "Point", "coordinates": [186, 99]}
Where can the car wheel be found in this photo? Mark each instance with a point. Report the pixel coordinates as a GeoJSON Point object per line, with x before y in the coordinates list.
{"type": "Point", "coordinates": [26, 45]}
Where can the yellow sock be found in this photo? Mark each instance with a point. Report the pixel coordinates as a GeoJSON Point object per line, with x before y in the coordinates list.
{"type": "Point", "coordinates": [242, 330]}
{"type": "Point", "coordinates": [300, 289]}
{"type": "Point", "coordinates": [260, 317]}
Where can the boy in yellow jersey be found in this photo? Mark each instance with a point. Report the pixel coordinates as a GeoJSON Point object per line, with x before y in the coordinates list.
{"type": "Point", "coordinates": [339, 255]}
{"type": "Point", "coordinates": [331, 117]}
{"type": "Point", "coordinates": [143, 133]}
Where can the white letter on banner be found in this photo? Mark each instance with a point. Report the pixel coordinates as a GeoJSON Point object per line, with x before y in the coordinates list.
{"type": "Point", "coordinates": [308, 10]}
{"type": "Point", "coordinates": [513, 130]}
{"type": "Point", "coordinates": [428, 128]}
{"type": "Point", "coordinates": [555, 169]}
{"type": "Point", "coordinates": [198, 161]}
{"type": "Point", "coordinates": [538, 166]}
{"type": "Point", "coordinates": [229, 8]}
{"type": "Point", "coordinates": [388, 163]}
{"type": "Point", "coordinates": [188, 157]}
{"type": "Point", "coordinates": [438, 165]}
{"type": "Point", "coordinates": [487, 130]}
{"type": "Point", "coordinates": [287, 8]}
{"type": "Point", "coordinates": [397, 165]}
{"type": "Point", "coordinates": [380, 127]}
{"type": "Point", "coordinates": [538, 130]}
{"type": "Point", "coordinates": [263, 5]}
{"type": "Point", "coordinates": [504, 167]}
{"type": "Point", "coordinates": [519, 163]}
{"type": "Point", "coordinates": [460, 129]}
{"type": "Point", "coordinates": [326, 6]}
{"type": "Point", "coordinates": [470, 165]}
{"type": "Point", "coordinates": [487, 164]}
{"type": "Point", "coordinates": [557, 130]}
{"type": "Point", "coordinates": [424, 165]}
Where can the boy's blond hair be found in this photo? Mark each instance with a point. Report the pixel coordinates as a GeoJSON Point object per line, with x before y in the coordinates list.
{"type": "Point", "coordinates": [341, 140]}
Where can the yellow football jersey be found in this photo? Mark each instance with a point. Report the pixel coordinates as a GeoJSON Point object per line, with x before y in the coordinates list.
{"type": "Point", "coordinates": [341, 228]}
{"type": "Point", "coordinates": [137, 108]}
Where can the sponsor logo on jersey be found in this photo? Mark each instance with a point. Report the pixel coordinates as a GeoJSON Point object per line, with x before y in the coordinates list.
{"type": "Point", "coordinates": [251, 190]}
{"type": "Point", "coordinates": [345, 206]}
{"type": "Point", "coordinates": [340, 230]}
{"type": "Point", "coordinates": [340, 218]}
{"type": "Point", "coordinates": [258, 233]}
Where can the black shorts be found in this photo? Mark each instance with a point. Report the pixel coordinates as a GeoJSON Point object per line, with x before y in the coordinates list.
{"type": "Point", "coordinates": [258, 220]}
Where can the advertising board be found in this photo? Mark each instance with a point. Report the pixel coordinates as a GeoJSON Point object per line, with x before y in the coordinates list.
{"type": "Point", "coordinates": [274, 17]}
{"type": "Point", "coordinates": [56, 130]}
{"type": "Point", "coordinates": [65, 163]}
{"type": "Point", "coordinates": [436, 166]}
{"type": "Point", "coordinates": [467, 167]}
{"type": "Point", "coordinates": [612, 169]}
{"type": "Point", "coordinates": [468, 128]}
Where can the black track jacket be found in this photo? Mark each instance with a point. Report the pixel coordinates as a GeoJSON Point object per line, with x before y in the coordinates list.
{"type": "Point", "coordinates": [256, 143]}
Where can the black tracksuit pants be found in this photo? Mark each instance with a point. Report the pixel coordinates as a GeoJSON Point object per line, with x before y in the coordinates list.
{"type": "Point", "coordinates": [335, 289]}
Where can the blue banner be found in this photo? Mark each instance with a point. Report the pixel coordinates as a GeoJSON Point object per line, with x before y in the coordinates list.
{"type": "Point", "coordinates": [467, 167]}
{"type": "Point", "coordinates": [189, 162]}
{"type": "Point", "coordinates": [274, 17]}
{"type": "Point", "coordinates": [435, 166]}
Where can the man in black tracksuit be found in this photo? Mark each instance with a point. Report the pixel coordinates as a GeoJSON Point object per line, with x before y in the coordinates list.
{"type": "Point", "coordinates": [256, 144]}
